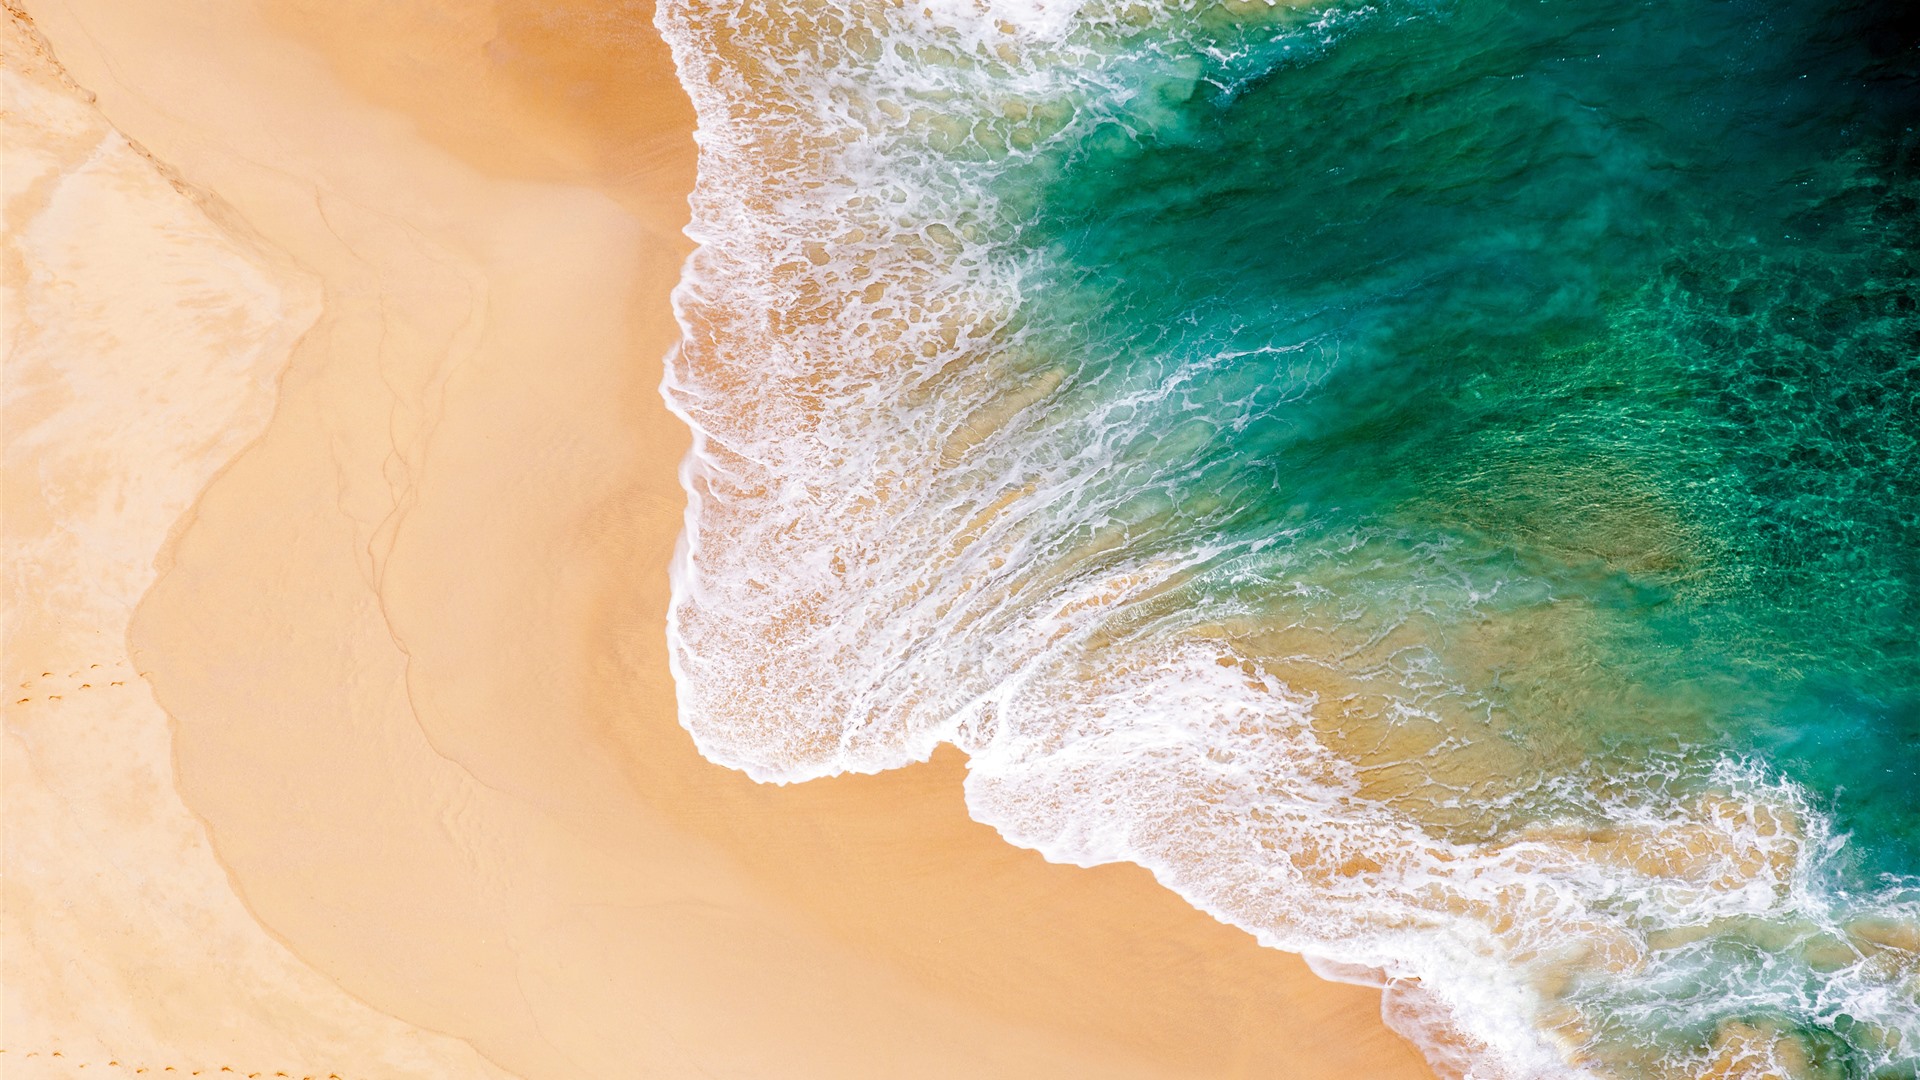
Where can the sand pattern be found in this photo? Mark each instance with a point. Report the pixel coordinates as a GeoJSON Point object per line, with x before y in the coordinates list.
{"type": "Point", "coordinates": [145, 340]}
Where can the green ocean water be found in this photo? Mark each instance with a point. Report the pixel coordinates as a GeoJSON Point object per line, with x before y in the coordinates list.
{"type": "Point", "coordinates": [1596, 316]}
{"type": "Point", "coordinates": [1555, 368]}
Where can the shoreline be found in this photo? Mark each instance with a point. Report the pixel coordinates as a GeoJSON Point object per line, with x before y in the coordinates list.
{"type": "Point", "coordinates": [411, 638]}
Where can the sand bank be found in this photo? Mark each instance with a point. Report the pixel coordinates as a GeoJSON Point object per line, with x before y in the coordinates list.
{"type": "Point", "coordinates": [410, 639]}
{"type": "Point", "coordinates": [143, 340]}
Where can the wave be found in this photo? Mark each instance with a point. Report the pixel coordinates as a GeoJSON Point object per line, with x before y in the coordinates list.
{"type": "Point", "coordinates": [927, 505]}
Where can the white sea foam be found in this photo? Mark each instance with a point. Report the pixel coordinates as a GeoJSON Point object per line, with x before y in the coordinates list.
{"type": "Point", "coordinates": [903, 530]}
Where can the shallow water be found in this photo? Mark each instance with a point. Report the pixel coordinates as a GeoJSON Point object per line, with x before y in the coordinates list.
{"type": "Point", "coordinates": [1439, 483]}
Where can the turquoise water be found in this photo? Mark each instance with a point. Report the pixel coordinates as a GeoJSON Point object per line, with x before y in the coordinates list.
{"type": "Point", "coordinates": [1613, 302]}
{"type": "Point", "coordinates": [1436, 482]}
{"type": "Point", "coordinates": [1592, 306]}
{"type": "Point", "coordinates": [1617, 302]}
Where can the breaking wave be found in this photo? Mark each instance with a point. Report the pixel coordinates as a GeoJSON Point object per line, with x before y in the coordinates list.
{"type": "Point", "coordinates": [954, 480]}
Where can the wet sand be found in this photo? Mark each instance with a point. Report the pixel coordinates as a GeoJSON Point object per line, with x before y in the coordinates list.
{"type": "Point", "coordinates": [410, 640]}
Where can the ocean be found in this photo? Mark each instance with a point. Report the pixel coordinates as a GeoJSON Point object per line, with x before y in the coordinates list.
{"type": "Point", "coordinates": [1438, 483]}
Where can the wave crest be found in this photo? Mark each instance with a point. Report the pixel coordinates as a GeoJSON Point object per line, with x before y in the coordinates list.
{"type": "Point", "coordinates": [913, 520]}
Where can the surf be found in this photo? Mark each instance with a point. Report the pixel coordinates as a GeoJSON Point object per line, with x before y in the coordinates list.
{"type": "Point", "coordinates": [1343, 459]}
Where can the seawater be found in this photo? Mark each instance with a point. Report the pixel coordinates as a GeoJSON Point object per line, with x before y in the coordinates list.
{"type": "Point", "coordinates": [1437, 482]}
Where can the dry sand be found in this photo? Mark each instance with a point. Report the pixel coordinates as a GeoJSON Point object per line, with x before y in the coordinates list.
{"type": "Point", "coordinates": [410, 638]}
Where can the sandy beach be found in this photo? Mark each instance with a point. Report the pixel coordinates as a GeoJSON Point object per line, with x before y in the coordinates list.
{"type": "Point", "coordinates": [339, 500]}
